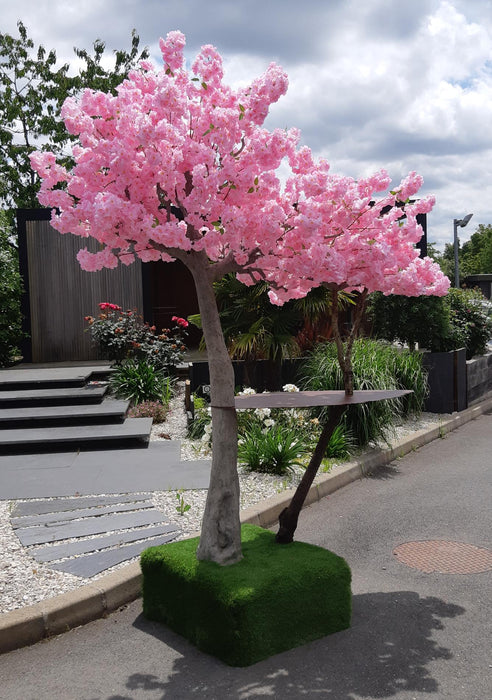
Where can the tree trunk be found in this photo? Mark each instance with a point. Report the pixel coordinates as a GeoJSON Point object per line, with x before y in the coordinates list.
{"type": "Point", "coordinates": [289, 516]}
{"type": "Point", "coordinates": [220, 539]}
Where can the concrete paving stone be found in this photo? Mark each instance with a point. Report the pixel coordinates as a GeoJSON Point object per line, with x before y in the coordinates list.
{"type": "Point", "coordinates": [52, 374]}
{"type": "Point", "coordinates": [72, 549]}
{"type": "Point", "coordinates": [37, 376]}
{"type": "Point", "coordinates": [91, 564]}
{"type": "Point", "coordinates": [156, 468]}
{"type": "Point", "coordinates": [64, 516]}
{"type": "Point", "coordinates": [106, 409]}
{"type": "Point", "coordinates": [89, 526]}
{"type": "Point", "coordinates": [51, 505]}
{"type": "Point", "coordinates": [85, 394]}
{"type": "Point", "coordinates": [131, 428]}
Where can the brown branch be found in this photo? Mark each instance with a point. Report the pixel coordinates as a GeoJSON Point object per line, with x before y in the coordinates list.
{"type": "Point", "coordinates": [336, 329]}
{"type": "Point", "coordinates": [235, 154]}
{"type": "Point", "coordinates": [359, 312]}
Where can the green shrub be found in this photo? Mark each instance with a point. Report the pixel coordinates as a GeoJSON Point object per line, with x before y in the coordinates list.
{"type": "Point", "coordinates": [266, 435]}
{"type": "Point", "coordinates": [437, 324]}
{"type": "Point", "coordinates": [10, 293]}
{"type": "Point", "coordinates": [376, 365]}
{"type": "Point", "coordinates": [341, 443]}
{"type": "Point", "coordinates": [201, 418]}
{"type": "Point", "coordinates": [470, 323]}
{"type": "Point", "coordinates": [273, 450]}
{"type": "Point", "coordinates": [137, 381]}
{"type": "Point", "coordinates": [410, 320]}
{"type": "Point", "coordinates": [121, 335]}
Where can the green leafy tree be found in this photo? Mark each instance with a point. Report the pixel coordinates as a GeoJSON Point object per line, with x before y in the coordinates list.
{"type": "Point", "coordinates": [474, 256]}
{"type": "Point", "coordinates": [254, 329]}
{"type": "Point", "coordinates": [33, 87]}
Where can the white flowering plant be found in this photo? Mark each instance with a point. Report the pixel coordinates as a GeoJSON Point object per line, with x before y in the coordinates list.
{"type": "Point", "coordinates": [271, 440]}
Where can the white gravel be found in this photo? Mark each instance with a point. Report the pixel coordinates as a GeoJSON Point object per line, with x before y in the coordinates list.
{"type": "Point", "coordinates": [24, 581]}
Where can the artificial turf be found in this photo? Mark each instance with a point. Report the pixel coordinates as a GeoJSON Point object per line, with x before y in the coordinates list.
{"type": "Point", "coordinates": [276, 598]}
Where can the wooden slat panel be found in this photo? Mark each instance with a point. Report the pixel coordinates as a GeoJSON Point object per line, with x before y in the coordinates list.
{"type": "Point", "coordinates": [61, 294]}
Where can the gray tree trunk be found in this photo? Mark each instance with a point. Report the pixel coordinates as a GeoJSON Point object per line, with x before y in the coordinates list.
{"type": "Point", "coordinates": [220, 539]}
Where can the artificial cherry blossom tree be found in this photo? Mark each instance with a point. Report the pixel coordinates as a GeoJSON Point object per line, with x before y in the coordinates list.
{"type": "Point", "coordinates": [178, 165]}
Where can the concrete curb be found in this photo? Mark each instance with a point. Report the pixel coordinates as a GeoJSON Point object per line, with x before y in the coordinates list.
{"type": "Point", "coordinates": [53, 616]}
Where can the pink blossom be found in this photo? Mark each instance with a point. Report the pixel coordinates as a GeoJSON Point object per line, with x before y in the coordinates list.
{"type": "Point", "coordinates": [179, 162]}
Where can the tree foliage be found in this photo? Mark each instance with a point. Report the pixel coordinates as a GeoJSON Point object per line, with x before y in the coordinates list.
{"type": "Point", "coordinates": [10, 291]}
{"type": "Point", "coordinates": [33, 88]}
{"type": "Point", "coordinates": [439, 324]}
{"type": "Point", "coordinates": [474, 256]}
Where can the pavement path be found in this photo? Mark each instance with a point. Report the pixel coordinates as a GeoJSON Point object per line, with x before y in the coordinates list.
{"type": "Point", "coordinates": [414, 635]}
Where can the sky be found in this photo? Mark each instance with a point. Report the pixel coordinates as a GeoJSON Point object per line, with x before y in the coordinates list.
{"type": "Point", "coordinates": [372, 83]}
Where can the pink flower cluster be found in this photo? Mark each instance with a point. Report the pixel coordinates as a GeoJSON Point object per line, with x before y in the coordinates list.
{"type": "Point", "coordinates": [180, 321]}
{"type": "Point", "coordinates": [177, 161]}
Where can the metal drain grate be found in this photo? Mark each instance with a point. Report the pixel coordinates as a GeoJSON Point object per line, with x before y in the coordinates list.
{"type": "Point", "coordinates": [444, 557]}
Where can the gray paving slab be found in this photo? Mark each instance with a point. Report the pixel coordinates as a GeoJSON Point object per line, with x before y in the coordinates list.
{"type": "Point", "coordinates": [130, 428]}
{"type": "Point", "coordinates": [57, 505]}
{"type": "Point", "coordinates": [64, 516]}
{"type": "Point", "coordinates": [91, 564]}
{"type": "Point", "coordinates": [88, 526]}
{"type": "Point", "coordinates": [110, 408]}
{"type": "Point", "coordinates": [71, 549]}
{"type": "Point", "coordinates": [86, 393]}
{"type": "Point", "coordinates": [156, 468]}
{"type": "Point", "coordinates": [43, 374]}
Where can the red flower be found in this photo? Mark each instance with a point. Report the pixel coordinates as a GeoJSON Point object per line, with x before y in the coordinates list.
{"type": "Point", "coordinates": [107, 305]}
{"type": "Point", "coordinates": [180, 321]}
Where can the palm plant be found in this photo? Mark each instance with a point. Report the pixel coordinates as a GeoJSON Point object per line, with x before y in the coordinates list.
{"type": "Point", "coordinates": [255, 329]}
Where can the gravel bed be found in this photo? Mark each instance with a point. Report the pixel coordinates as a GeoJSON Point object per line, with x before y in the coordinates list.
{"type": "Point", "coordinates": [24, 581]}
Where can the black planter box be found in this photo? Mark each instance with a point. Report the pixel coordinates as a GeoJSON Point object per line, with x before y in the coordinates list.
{"type": "Point", "coordinates": [199, 374]}
{"type": "Point", "coordinates": [447, 381]}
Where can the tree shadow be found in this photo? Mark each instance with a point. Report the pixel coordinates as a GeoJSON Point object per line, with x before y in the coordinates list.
{"type": "Point", "coordinates": [386, 651]}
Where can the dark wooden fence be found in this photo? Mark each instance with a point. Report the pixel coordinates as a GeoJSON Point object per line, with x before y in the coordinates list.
{"type": "Point", "coordinates": [58, 294]}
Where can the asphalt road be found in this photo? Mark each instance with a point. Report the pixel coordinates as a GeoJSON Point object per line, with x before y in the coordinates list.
{"type": "Point", "coordinates": [414, 635]}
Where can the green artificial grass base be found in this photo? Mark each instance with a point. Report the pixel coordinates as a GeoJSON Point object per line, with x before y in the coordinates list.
{"type": "Point", "coordinates": [276, 598]}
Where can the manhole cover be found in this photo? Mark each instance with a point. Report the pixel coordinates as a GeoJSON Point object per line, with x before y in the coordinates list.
{"type": "Point", "coordinates": [444, 557]}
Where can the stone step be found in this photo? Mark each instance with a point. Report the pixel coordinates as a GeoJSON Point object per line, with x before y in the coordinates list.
{"type": "Point", "coordinates": [41, 377]}
{"type": "Point", "coordinates": [29, 439]}
{"type": "Point", "coordinates": [108, 411]}
{"type": "Point", "coordinates": [92, 393]}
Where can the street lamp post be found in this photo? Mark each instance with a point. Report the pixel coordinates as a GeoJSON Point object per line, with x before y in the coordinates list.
{"type": "Point", "coordinates": [462, 223]}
